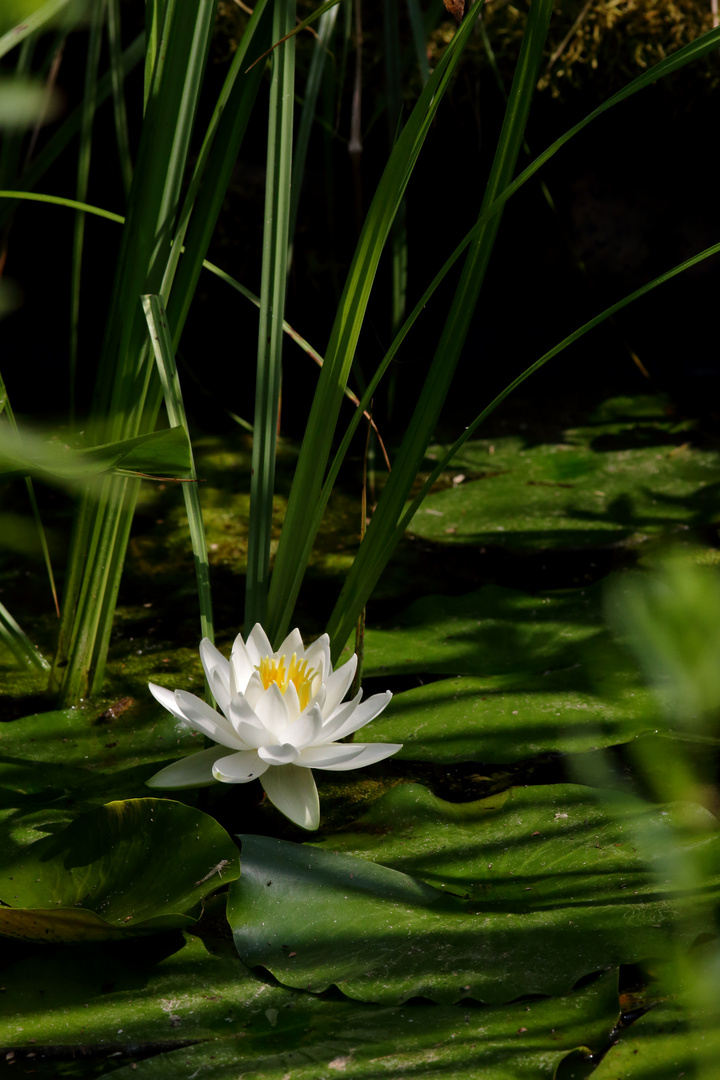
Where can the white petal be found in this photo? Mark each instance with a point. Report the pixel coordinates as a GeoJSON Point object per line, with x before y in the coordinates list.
{"type": "Point", "coordinates": [335, 721]}
{"type": "Point", "coordinates": [293, 643]}
{"type": "Point", "coordinates": [337, 685]}
{"type": "Point", "coordinates": [337, 754]}
{"type": "Point", "coordinates": [219, 690]}
{"type": "Point", "coordinates": [242, 665]}
{"type": "Point", "coordinates": [271, 709]}
{"type": "Point", "coordinates": [293, 792]}
{"type": "Point", "coordinates": [371, 752]}
{"type": "Point", "coordinates": [205, 719]}
{"type": "Point", "coordinates": [258, 644]}
{"type": "Point", "coordinates": [306, 730]}
{"type": "Point", "coordinates": [195, 770]}
{"type": "Point", "coordinates": [217, 671]}
{"type": "Point", "coordinates": [362, 715]}
{"type": "Point", "coordinates": [254, 689]}
{"type": "Point", "coordinates": [280, 754]}
{"type": "Point", "coordinates": [292, 702]}
{"type": "Point", "coordinates": [246, 724]}
{"type": "Point", "coordinates": [239, 768]}
{"type": "Point", "coordinates": [318, 656]}
{"type": "Point", "coordinates": [167, 700]}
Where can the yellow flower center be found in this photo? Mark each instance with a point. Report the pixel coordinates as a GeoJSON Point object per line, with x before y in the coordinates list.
{"type": "Point", "coordinates": [297, 672]}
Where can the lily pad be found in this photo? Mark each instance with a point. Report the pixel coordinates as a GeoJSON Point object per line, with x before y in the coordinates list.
{"type": "Point", "coordinates": [523, 1041]}
{"type": "Point", "coordinates": [664, 1044]}
{"type": "Point", "coordinates": [491, 631]}
{"type": "Point", "coordinates": [569, 495]}
{"type": "Point", "coordinates": [162, 994]}
{"type": "Point", "coordinates": [53, 764]}
{"type": "Point", "coordinates": [538, 674]}
{"type": "Point", "coordinates": [382, 935]}
{"type": "Point", "coordinates": [475, 719]}
{"type": "Point", "coordinates": [109, 873]}
{"type": "Point", "coordinates": [530, 848]}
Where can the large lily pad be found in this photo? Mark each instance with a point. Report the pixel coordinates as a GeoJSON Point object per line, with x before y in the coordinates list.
{"type": "Point", "coordinates": [53, 764]}
{"type": "Point", "coordinates": [523, 1041]}
{"type": "Point", "coordinates": [538, 674]}
{"type": "Point", "coordinates": [490, 631]}
{"type": "Point", "coordinates": [571, 494]}
{"type": "Point", "coordinates": [664, 1044]}
{"type": "Point", "coordinates": [158, 996]}
{"type": "Point", "coordinates": [476, 719]}
{"type": "Point", "coordinates": [128, 867]}
{"type": "Point", "coordinates": [383, 935]}
{"type": "Point", "coordinates": [531, 848]}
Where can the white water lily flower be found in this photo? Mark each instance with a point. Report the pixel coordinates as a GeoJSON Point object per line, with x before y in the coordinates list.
{"type": "Point", "coordinates": [281, 716]}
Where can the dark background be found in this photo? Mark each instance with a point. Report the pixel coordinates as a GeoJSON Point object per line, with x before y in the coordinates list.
{"type": "Point", "coordinates": [635, 194]}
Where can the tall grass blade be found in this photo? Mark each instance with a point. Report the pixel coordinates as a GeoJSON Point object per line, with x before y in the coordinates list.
{"type": "Point", "coordinates": [126, 392]}
{"type": "Point", "coordinates": [117, 76]}
{"type": "Point", "coordinates": [366, 568]}
{"type": "Point", "coordinates": [36, 20]}
{"type": "Point", "coordinates": [19, 644]}
{"type": "Point", "coordinates": [272, 304]}
{"type": "Point", "coordinates": [97, 21]}
{"type": "Point", "coordinates": [296, 538]}
{"type": "Point", "coordinates": [325, 31]}
{"type": "Point", "coordinates": [172, 393]}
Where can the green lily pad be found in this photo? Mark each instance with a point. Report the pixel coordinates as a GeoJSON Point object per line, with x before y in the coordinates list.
{"type": "Point", "coordinates": [523, 1041]}
{"type": "Point", "coordinates": [570, 495]}
{"type": "Point", "coordinates": [382, 935]}
{"type": "Point", "coordinates": [491, 631]}
{"type": "Point", "coordinates": [108, 874]}
{"type": "Point", "coordinates": [156, 996]}
{"type": "Point", "coordinates": [539, 674]}
{"type": "Point", "coordinates": [664, 1044]}
{"type": "Point", "coordinates": [530, 848]}
{"type": "Point", "coordinates": [476, 719]}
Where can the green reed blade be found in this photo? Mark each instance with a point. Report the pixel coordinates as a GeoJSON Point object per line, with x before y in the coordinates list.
{"type": "Point", "coordinates": [213, 169]}
{"type": "Point", "coordinates": [89, 105]}
{"type": "Point", "coordinates": [36, 20]}
{"type": "Point", "coordinates": [19, 644]}
{"type": "Point", "coordinates": [296, 538]}
{"type": "Point", "coordinates": [363, 573]}
{"type": "Point", "coordinates": [272, 304]}
{"type": "Point", "coordinates": [121, 405]}
{"type": "Point", "coordinates": [325, 32]}
{"type": "Point", "coordinates": [117, 75]}
{"type": "Point", "coordinates": [165, 358]}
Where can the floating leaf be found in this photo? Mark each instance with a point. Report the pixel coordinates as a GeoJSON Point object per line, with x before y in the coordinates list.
{"type": "Point", "coordinates": [128, 867]}
{"type": "Point", "coordinates": [529, 848]}
{"type": "Point", "coordinates": [490, 631]}
{"type": "Point", "coordinates": [569, 495]}
{"type": "Point", "coordinates": [492, 720]}
{"type": "Point", "coordinates": [138, 994]}
{"type": "Point", "coordinates": [382, 935]}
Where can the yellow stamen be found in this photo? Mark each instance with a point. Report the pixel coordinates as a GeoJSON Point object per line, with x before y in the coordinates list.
{"type": "Point", "coordinates": [274, 671]}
